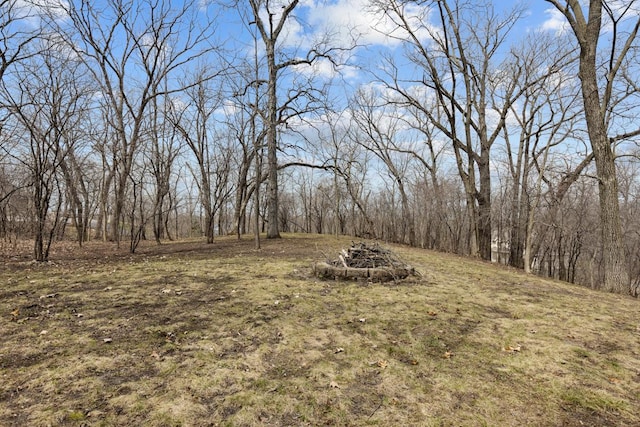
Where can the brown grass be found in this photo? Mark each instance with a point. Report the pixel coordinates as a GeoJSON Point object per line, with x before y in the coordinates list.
{"type": "Point", "coordinates": [189, 334]}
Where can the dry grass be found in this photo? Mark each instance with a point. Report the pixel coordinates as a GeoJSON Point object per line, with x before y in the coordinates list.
{"type": "Point", "coordinates": [188, 334]}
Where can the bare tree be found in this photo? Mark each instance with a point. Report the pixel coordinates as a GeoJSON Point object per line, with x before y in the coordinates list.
{"type": "Point", "coordinates": [80, 172]}
{"type": "Point", "coordinates": [135, 206]}
{"type": "Point", "coordinates": [101, 139]}
{"type": "Point", "coordinates": [459, 66]}
{"type": "Point", "coordinates": [423, 143]}
{"type": "Point", "coordinates": [340, 147]}
{"type": "Point", "coordinates": [302, 96]}
{"type": "Point", "coordinates": [16, 40]}
{"type": "Point", "coordinates": [603, 99]}
{"type": "Point", "coordinates": [630, 212]}
{"type": "Point", "coordinates": [381, 127]}
{"type": "Point", "coordinates": [47, 100]}
{"type": "Point", "coordinates": [249, 153]}
{"type": "Point", "coordinates": [245, 124]}
{"type": "Point", "coordinates": [131, 48]}
{"type": "Point", "coordinates": [210, 147]}
{"type": "Point", "coordinates": [334, 146]}
{"type": "Point", "coordinates": [15, 36]}
{"type": "Point", "coordinates": [354, 174]}
{"type": "Point", "coordinates": [546, 115]}
{"type": "Point", "coordinates": [164, 147]}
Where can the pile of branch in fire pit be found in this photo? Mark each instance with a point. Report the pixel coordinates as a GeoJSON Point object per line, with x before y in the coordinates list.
{"type": "Point", "coordinates": [365, 261]}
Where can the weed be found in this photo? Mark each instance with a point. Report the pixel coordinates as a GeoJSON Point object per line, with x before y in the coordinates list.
{"type": "Point", "coordinates": [75, 416]}
{"type": "Point", "coordinates": [593, 400]}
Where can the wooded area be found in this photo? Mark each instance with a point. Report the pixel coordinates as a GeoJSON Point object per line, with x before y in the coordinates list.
{"type": "Point", "coordinates": [130, 120]}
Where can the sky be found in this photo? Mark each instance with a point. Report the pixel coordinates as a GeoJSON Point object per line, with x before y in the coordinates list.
{"type": "Point", "coordinates": [343, 19]}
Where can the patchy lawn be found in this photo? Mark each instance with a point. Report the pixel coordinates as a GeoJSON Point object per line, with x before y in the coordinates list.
{"type": "Point", "coordinates": [189, 334]}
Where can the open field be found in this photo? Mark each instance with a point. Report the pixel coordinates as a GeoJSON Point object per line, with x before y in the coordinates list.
{"type": "Point", "coordinates": [189, 334]}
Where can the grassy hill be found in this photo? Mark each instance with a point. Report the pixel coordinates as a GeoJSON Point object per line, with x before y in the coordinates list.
{"type": "Point", "coordinates": [189, 334]}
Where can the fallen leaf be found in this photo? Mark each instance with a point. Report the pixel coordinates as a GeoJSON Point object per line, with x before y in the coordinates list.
{"type": "Point", "coordinates": [510, 349]}
{"type": "Point", "coordinates": [433, 313]}
{"type": "Point", "coordinates": [16, 312]}
{"type": "Point", "coordinates": [447, 355]}
{"type": "Point", "coordinates": [380, 363]}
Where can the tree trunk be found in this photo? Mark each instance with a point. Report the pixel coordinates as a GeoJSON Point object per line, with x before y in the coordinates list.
{"type": "Point", "coordinates": [272, 146]}
{"type": "Point", "coordinates": [408, 223]}
{"type": "Point", "coordinates": [616, 277]}
{"type": "Point", "coordinates": [484, 206]}
{"type": "Point", "coordinates": [118, 205]}
{"type": "Point", "coordinates": [210, 224]}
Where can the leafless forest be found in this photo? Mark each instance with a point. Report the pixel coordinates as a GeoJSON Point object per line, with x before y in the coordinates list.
{"type": "Point", "coordinates": [124, 120]}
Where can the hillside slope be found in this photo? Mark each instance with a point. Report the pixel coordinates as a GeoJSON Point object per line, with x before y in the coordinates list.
{"type": "Point", "coordinates": [195, 335]}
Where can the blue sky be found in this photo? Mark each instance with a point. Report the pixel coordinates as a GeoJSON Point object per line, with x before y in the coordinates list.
{"type": "Point", "coordinates": [344, 18]}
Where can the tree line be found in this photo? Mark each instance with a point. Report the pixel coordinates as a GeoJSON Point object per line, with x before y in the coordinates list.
{"type": "Point", "coordinates": [131, 120]}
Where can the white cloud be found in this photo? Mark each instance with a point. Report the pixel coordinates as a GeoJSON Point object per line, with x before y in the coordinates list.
{"type": "Point", "coordinates": [349, 19]}
{"type": "Point", "coordinates": [203, 5]}
{"type": "Point", "coordinates": [326, 69]}
{"type": "Point", "coordinates": [178, 104]}
{"type": "Point", "coordinates": [56, 42]}
{"type": "Point", "coordinates": [555, 22]}
{"type": "Point", "coordinates": [229, 108]}
{"type": "Point", "coordinates": [343, 24]}
{"type": "Point", "coordinates": [32, 11]}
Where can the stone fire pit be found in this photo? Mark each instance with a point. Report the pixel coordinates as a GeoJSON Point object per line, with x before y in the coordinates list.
{"type": "Point", "coordinates": [364, 261]}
